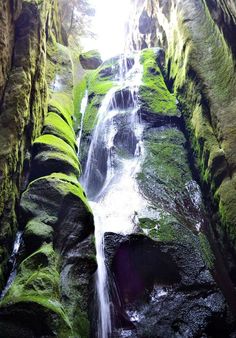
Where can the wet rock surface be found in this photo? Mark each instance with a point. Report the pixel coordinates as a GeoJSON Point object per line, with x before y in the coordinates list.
{"type": "Point", "coordinates": [90, 60]}
{"type": "Point", "coordinates": [49, 294]}
{"type": "Point", "coordinates": [165, 290]}
{"type": "Point", "coordinates": [205, 87]}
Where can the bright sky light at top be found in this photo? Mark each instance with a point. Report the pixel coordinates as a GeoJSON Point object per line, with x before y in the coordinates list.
{"type": "Point", "coordinates": [109, 24]}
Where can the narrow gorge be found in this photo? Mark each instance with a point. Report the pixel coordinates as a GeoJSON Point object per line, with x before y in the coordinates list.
{"type": "Point", "coordinates": [117, 169]}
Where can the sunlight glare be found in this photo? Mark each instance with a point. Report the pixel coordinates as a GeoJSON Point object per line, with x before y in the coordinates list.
{"type": "Point", "coordinates": [110, 22]}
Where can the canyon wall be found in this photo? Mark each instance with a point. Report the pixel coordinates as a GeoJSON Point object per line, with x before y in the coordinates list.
{"type": "Point", "coordinates": [199, 67]}
{"type": "Point", "coordinates": [40, 94]}
{"type": "Point", "coordinates": [38, 157]}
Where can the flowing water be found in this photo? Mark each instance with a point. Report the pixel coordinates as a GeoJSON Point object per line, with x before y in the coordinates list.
{"type": "Point", "coordinates": [13, 262]}
{"type": "Point", "coordinates": [84, 103]}
{"type": "Point", "coordinates": [118, 126]}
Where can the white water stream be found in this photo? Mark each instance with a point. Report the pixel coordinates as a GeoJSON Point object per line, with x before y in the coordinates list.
{"type": "Point", "coordinates": [84, 103]}
{"type": "Point", "coordinates": [12, 260]}
{"type": "Point", "coordinates": [118, 201]}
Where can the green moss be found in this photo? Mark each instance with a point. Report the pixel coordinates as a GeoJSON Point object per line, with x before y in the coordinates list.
{"type": "Point", "coordinates": [90, 117]}
{"type": "Point", "coordinates": [206, 145]}
{"type": "Point", "coordinates": [208, 255]}
{"type": "Point", "coordinates": [99, 81]}
{"type": "Point", "coordinates": [91, 54]}
{"type": "Point", "coordinates": [63, 105]}
{"type": "Point", "coordinates": [154, 95]}
{"type": "Point", "coordinates": [64, 184]}
{"type": "Point", "coordinates": [37, 282]}
{"type": "Point", "coordinates": [75, 187]}
{"type": "Point", "coordinates": [57, 145]}
{"type": "Point", "coordinates": [206, 91]}
{"type": "Point", "coordinates": [56, 126]}
{"type": "Point", "coordinates": [59, 68]}
{"type": "Point", "coordinates": [78, 94]}
{"type": "Point", "coordinates": [166, 228]}
{"type": "Point", "coordinates": [38, 230]}
{"type": "Point", "coordinates": [226, 198]}
{"type": "Point", "coordinates": [51, 64]}
{"type": "Point", "coordinates": [166, 160]}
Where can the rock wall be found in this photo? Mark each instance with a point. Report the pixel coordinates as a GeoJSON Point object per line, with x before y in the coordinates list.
{"type": "Point", "coordinates": [200, 67]}
{"type": "Point", "coordinates": [39, 180]}
{"type": "Point", "coordinates": [25, 28]}
{"type": "Point", "coordinates": [162, 275]}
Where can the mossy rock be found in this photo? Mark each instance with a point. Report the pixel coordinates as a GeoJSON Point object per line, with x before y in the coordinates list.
{"type": "Point", "coordinates": [206, 250]}
{"type": "Point", "coordinates": [91, 59]}
{"type": "Point", "coordinates": [153, 93]}
{"type": "Point", "coordinates": [55, 125]}
{"type": "Point", "coordinates": [59, 68]}
{"type": "Point", "coordinates": [47, 198]}
{"type": "Point", "coordinates": [52, 154]}
{"type": "Point", "coordinates": [226, 198]}
{"type": "Point", "coordinates": [211, 158]}
{"type": "Point", "coordinates": [165, 177]}
{"type": "Point", "coordinates": [166, 159]}
{"type": "Point", "coordinates": [36, 233]}
{"type": "Point", "coordinates": [166, 228]}
{"type": "Point", "coordinates": [63, 106]}
{"type": "Point", "coordinates": [99, 82]}
{"type": "Point", "coordinates": [90, 117]}
{"type": "Point", "coordinates": [34, 295]}
{"type": "Point", "coordinates": [78, 95]}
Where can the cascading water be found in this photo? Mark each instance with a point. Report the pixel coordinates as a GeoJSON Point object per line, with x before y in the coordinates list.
{"type": "Point", "coordinates": [12, 261]}
{"type": "Point", "coordinates": [84, 103]}
{"type": "Point", "coordinates": [118, 130]}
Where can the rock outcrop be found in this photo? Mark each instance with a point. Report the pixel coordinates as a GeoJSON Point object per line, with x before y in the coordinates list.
{"type": "Point", "coordinates": [90, 60]}
{"type": "Point", "coordinates": [197, 37]}
{"type": "Point", "coordinates": [163, 289]}
{"type": "Point", "coordinates": [25, 27]}
{"type": "Point", "coordinates": [169, 278]}
{"type": "Point", "coordinates": [49, 295]}
{"type": "Point", "coordinates": [166, 278]}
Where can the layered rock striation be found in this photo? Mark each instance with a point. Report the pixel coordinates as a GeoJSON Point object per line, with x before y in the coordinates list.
{"type": "Point", "coordinates": [199, 67]}
{"type": "Point", "coordinates": [49, 295]}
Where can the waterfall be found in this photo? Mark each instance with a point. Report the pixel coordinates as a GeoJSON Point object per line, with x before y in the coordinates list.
{"type": "Point", "coordinates": [117, 190]}
{"type": "Point", "coordinates": [12, 261]}
{"type": "Point", "coordinates": [83, 106]}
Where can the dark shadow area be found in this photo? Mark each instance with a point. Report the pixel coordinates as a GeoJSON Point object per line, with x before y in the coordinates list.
{"type": "Point", "coordinates": [140, 264]}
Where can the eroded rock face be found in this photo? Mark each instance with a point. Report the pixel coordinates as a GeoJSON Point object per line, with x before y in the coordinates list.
{"type": "Point", "coordinates": [161, 277]}
{"type": "Point", "coordinates": [9, 14]}
{"type": "Point", "coordinates": [164, 288]}
{"type": "Point", "coordinates": [197, 37]}
{"type": "Point", "coordinates": [23, 92]}
{"type": "Point", "coordinates": [90, 60]}
{"type": "Point", "coordinates": [49, 295]}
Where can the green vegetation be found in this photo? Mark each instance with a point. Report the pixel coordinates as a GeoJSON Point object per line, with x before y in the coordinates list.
{"type": "Point", "coordinates": [99, 81]}
{"type": "Point", "coordinates": [61, 184]}
{"type": "Point", "coordinates": [166, 162]}
{"type": "Point", "coordinates": [50, 147]}
{"type": "Point", "coordinates": [78, 94]}
{"type": "Point", "coordinates": [38, 232]}
{"type": "Point", "coordinates": [226, 197]}
{"type": "Point", "coordinates": [91, 59]}
{"type": "Point", "coordinates": [37, 283]}
{"type": "Point", "coordinates": [154, 95]}
{"type": "Point", "coordinates": [208, 255]}
{"type": "Point", "coordinates": [63, 105]}
{"type": "Point", "coordinates": [206, 91]}
{"type": "Point", "coordinates": [56, 126]}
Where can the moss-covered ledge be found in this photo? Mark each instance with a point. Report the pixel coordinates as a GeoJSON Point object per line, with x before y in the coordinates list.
{"type": "Point", "coordinates": [23, 103]}
{"type": "Point", "coordinates": [57, 259]}
{"type": "Point", "coordinates": [35, 292]}
{"type": "Point", "coordinates": [153, 93]}
{"type": "Point", "coordinates": [200, 65]}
